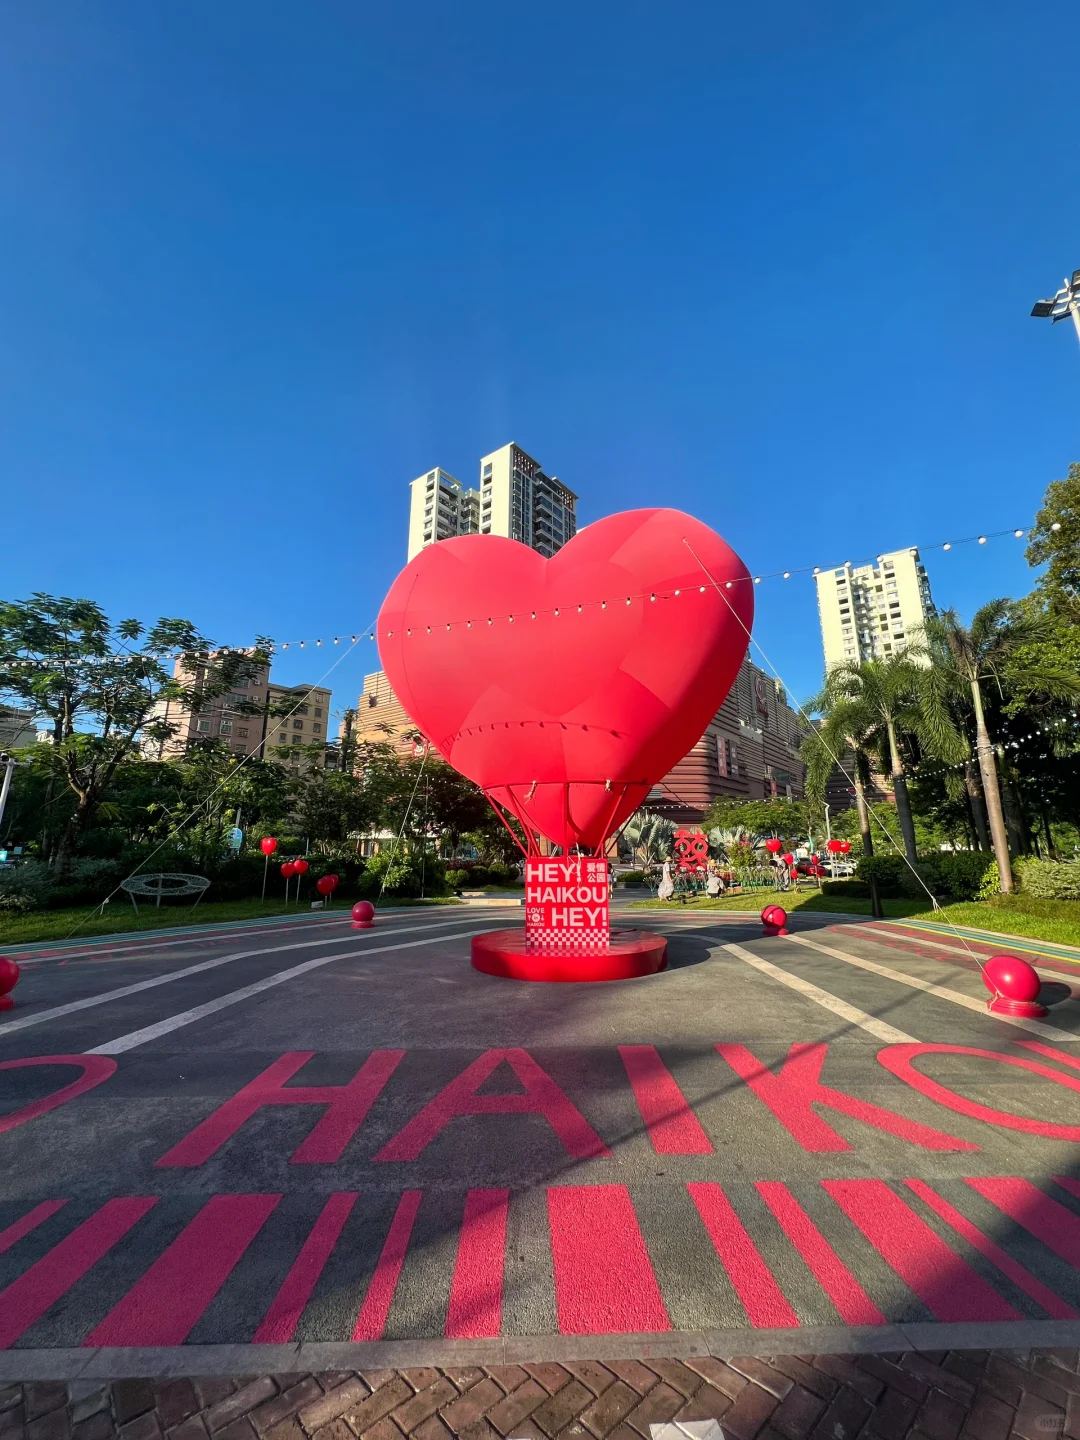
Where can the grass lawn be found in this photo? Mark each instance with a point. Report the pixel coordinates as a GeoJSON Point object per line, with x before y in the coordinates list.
{"type": "Point", "coordinates": [120, 918]}
{"type": "Point", "coordinates": [1021, 915]}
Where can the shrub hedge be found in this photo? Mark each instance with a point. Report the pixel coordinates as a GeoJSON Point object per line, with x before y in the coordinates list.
{"type": "Point", "coordinates": [1050, 879]}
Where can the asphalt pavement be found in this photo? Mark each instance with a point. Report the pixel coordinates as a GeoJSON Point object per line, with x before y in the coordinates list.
{"type": "Point", "coordinates": [304, 1140]}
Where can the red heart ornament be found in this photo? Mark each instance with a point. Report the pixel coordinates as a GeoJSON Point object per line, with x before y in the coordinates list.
{"type": "Point", "coordinates": [566, 688]}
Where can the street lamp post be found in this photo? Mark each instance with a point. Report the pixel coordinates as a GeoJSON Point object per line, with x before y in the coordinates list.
{"type": "Point", "coordinates": [1065, 303]}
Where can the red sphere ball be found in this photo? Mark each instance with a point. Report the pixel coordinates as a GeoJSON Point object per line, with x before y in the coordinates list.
{"type": "Point", "coordinates": [363, 912]}
{"type": "Point", "coordinates": [300, 866]}
{"type": "Point", "coordinates": [774, 846]}
{"type": "Point", "coordinates": [323, 885]}
{"type": "Point", "coordinates": [1013, 978]}
{"type": "Point", "coordinates": [268, 845]}
{"type": "Point", "coordinates": [774, 915]}
{"type": "Point", "coordinates": [9, 974]}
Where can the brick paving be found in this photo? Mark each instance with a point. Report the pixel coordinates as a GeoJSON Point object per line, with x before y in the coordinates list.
{"type": "Point", "coordinates": [929, 1395]}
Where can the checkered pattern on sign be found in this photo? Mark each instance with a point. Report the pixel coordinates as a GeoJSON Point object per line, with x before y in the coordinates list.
{"type": "Point", "coordinates": [542, 938]}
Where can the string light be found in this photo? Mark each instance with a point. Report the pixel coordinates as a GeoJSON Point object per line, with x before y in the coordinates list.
{"type": "Point", "coordinates": [275, 646]}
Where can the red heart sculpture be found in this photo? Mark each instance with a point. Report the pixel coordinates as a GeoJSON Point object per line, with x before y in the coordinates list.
{"type": "Point", "coordinates": [566, 688]}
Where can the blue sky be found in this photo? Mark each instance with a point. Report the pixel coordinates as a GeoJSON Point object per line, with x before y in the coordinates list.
{"type": "Point", "coordinates": [263, 263]}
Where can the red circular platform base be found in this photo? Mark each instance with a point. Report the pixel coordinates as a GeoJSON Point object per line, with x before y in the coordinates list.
{"type": "Point", "coordinates": [630, 953]}
{"type": "Point", "coordinates": [1002, 1005]}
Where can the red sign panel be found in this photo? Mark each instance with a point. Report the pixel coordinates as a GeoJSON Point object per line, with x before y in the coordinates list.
{"type": "Point", "coordinates": [566, 904]}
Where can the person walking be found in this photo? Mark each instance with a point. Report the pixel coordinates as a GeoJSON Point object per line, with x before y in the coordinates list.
{"type": "Point", "coordinates": [667, 885]}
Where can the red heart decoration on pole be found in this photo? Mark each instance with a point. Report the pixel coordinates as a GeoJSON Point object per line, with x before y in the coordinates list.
{"type": "Point", "coordinates": [566, 688]}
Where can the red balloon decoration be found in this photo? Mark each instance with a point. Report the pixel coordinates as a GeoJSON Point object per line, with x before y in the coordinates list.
{"type": "Point", "coordinates": [363, 915]}
{"type": "Point", "coordinates": [301, 867]}
{"type": "Point", "coordinates": [774, 920]}
{"type": "Point", "coordinates": [9, 978]}
{"type": "Point", "coordinates": [845, 846]}
{"type": "Point", "coordinates": [288, 870]}
{"type": "Point", "coordinates": [566, 688]}
{"type": "Point", "coordinates": [268, 845]}
{"type": "Point", "coordinates": [326, 884]}
{"type": "Point", "coordinates": [1014, 986]}
{"type": "Point", "coordinates": [788, 859]}
{"type": "Point", "coordinates": [774, 846]}
{"type": "Point", "coordinates": [833, 846]}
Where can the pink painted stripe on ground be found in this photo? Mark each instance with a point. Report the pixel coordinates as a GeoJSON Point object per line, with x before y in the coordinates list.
{"type": "Point", "coordinates": [280, 1322]}
{"type": "Point", "coordinates": [371, 1321]}
{"type": "Point", "coordinates": [946, 1284]}
{"type": "Point", "coordinates": [853, 1304]}
{"type": "Point", "coordinates": [1048, 1220]}
{"type": "Point", "coordinates": [30, 1221]}
{"type": "Point", "coordinates": [1021, 1278]}
{"type": "Point", "coordinates": [762, 1299]}
{"type": "Point", "coordinates": [163, 1307]}
{"type": "Point", "coordinates": [673, 1127]}
{"type": "Point", "coordinates": [475, 1309]}
{"type": "Point", "coordinates": [604, 1280]}
{"type": "Point", "coordinates": [26, 1299]}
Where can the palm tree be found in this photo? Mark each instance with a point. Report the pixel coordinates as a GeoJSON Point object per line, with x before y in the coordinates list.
{"type": "Point", "coordinates": [649, 837]}
{"type": "Point", "coordinates": [882, 700]}
{"type": "Point", "coordinates": [992, 649]}
{"type": "Point", "coordinates": [844, 731]}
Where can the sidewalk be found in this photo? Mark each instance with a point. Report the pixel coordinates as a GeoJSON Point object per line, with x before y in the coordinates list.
{"type": "Point", "coordinates": [939, 1395]}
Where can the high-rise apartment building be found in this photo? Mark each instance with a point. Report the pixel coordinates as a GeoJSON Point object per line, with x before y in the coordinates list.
{"type": "Point", "coordinates": [519, 500]}
{"type": "Point", "coordinates": [516, 498]}
{"type": "Point", "coordinates": [439, 508]}
{"type": "Point", "coordinates": [873, 611]}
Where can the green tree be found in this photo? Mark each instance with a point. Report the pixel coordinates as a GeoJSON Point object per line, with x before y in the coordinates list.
{"type": "Point", "coordinates": [1003, 645]}
{"type": "Point", "coordinates": [67, 661]}
{"type": "Point", "coordinates": [783, 818]}
{"type": "Point", "coordinates": [879, 703]}
{"type": "Point", "coordinates": [1054, 541]}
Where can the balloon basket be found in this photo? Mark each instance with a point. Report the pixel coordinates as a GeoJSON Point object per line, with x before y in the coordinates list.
{"type": "Point", "coordinates": [629, 954]}
{"type": "Point", "coordinates": [1025, 1009]}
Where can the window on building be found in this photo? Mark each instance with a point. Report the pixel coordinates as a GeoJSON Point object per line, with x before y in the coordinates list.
{"type": "Point", "coordinates": [487, 469]}
{"type": "Point", "coordinates": [316, 726]}
{"type": "Point", "coordinates": [226, 727]}
{"type": "Point", "coordinates": [318, 709]}
{"type": "Point", "coordinates": [297, 739]}
{"type": "Point", "coordinates": [204, 727]}
{"type": "Point", "coordinates": [298, 724]}
{"type": "Point", "coordinates": [239, 749]}
{"type": "Point", "coordinates": [241, 730]}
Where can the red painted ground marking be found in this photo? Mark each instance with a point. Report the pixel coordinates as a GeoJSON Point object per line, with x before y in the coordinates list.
{"type": "Point", "coordinates": [30, 1221]}
{"type": "Point", "coordinates": [348, 1106]}
{"type": "Point", "coordinates": [673, 1127]}
{"type": "Point", "coordinates": [761, 1297]}
{"type": "Point", "coordinates": [475, 1310]}
{"type": "Point", "coordinates": [542, 1097]}
{"type": "Point", "coordinates": [371, 1321]}
{"type": "Point", "coordinates": [1023, 1279]}
{"type": "Point", "coordinates": [95, 1068]}
{"type": "Point", "coordinates": [852, 1303]}
{"type": "Point", "coordinates": [946, 1284]}
{"type": "Point", "coordinates": [26, 1299]}
{"type": "Point", "coordinates": [1048, 1220]}
{"type": "Point", "coordinates": [791, 1094]}
{"type": "Point", "coordinates": [1067, 1183]}
{"type": "Point", "coordinates": [898, 1059]}
{"type": "Point", "coordinates": [604, 1281]}
{"type": "Point", "coordinates": [281, 1320]}
{"type": "Point", "coordinates": [162, 1307]}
